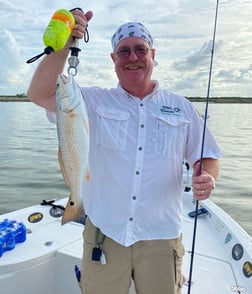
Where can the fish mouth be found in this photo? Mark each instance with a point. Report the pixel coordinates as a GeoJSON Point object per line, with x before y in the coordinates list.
{"type": "Point", "coordinates": [63, 78]}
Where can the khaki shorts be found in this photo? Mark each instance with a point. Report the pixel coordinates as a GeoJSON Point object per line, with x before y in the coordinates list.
{"type": "Point", "coordinates": [154, 266]}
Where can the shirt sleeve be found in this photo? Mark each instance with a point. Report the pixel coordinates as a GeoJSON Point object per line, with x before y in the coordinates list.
{"type": "Point", "coordinates": [195, 141]}
{"type": "Point", "coordinates": [51, 116]}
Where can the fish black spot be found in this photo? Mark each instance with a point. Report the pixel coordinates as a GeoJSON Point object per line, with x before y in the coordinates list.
{"type": "Point", "coordinates": [72, 203]}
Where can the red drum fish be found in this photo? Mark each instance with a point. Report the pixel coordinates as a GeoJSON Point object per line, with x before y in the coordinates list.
{"type": "Point", "coordinates": [73, 137]}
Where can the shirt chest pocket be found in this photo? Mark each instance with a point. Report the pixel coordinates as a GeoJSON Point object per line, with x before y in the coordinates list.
{"type": "Point", "coordinates": [112, 128]}
{"type": "Point", "coordinates": [170, 136]}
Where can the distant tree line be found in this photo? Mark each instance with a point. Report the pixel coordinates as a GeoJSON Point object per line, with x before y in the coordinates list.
{"type": "Point", "coordinates": [248, 100]}
{"type": "Point", "coordinates": [21, 95]}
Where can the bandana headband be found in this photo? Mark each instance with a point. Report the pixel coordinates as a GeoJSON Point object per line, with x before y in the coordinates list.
{"type": "Point", "coordinates": [131, 29]}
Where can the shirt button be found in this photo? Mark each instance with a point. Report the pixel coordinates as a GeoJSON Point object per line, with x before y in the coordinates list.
{"type": "Point", "coordinates": [141, 104]}
{"type": "Point", "coordinates": [142, 126]}
{"type": "Point", "coordinates": [131, 219]}
{"type": "Point", "coordinates": [137, 173]}
{"type": "Point", "coordinates": [134, 197]}
{"type": "Point", "coordinates": [140, 148]}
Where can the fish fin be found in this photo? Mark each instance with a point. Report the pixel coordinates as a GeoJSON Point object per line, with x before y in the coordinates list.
{"type": "Point", "coordinates": [87, 175]}
{"type": "Point", "coordinates": [86, 125]}
{"type": "Point", "coordinates": [74, 212]}
{"type": "Point", "coordinates": [62, 167]}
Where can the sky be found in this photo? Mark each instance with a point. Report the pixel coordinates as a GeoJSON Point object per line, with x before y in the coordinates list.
{"type": "Point", "coordinates": [183, 37]}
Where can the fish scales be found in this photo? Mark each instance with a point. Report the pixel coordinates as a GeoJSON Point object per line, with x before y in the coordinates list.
{"type": "Point", "coordinates": [73, 137]}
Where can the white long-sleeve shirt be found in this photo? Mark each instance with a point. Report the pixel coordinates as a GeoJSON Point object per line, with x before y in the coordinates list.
{"type": "Point", "coordinates": [136, 152]}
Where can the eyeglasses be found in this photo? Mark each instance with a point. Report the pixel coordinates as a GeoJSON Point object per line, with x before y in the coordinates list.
{"type": "Point", "coordinates": [139, 50]}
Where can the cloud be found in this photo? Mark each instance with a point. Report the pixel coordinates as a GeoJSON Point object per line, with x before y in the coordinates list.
{"type": "Point", "coordinates": [198, 59]}
{"type": "Point", "coordinates": [237, 75]}
{"type": "Point", "coordinates": [13, 63]}
{"type": "Point", "coordinates": [181, 30]}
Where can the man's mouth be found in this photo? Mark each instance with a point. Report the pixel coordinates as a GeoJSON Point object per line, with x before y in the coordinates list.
{"type": "Point", "coordinates": [133, 66]}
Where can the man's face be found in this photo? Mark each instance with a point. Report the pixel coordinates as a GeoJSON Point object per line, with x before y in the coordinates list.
{"type": "Point", "coordinates": [133, 59]}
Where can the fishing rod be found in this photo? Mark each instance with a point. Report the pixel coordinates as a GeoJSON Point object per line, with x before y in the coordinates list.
{"type": "Point", "coordinates": [202, 147]}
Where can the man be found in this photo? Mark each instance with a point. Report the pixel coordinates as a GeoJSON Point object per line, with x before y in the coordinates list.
{"type": "Point", "coordinates": [140, 135]}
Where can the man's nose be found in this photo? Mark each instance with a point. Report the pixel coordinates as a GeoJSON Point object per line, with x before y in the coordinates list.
{"type": "Point", "coordinates": [133, 55]}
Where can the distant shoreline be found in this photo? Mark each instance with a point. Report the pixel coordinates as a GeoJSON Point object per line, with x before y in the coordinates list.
{"type": "Point", "coordinates": [192, 99]}
{"type": "Point", "coordinates": [14, 99]}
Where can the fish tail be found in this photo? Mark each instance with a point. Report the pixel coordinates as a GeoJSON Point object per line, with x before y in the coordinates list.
{"type": "Point", "coordinates": [74, 212]}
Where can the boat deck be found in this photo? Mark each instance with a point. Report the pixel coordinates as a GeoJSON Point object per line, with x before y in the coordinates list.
{"type": "Point", "coordinates": [44, 263]}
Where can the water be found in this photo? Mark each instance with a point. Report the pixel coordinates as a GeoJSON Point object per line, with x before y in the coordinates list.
{"type": "Point", "coordinates": [29, 170]}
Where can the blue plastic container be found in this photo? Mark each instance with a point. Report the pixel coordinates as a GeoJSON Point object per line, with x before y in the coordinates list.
{"type": "Point", "coordinates": [11, 233]}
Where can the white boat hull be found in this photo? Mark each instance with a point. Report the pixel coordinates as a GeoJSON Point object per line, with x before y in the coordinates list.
{"type": "Point", "coordinates": [45, 262]}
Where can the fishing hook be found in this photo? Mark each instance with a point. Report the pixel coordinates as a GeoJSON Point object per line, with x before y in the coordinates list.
{"type": "Point", "coordinates": [202, 146]}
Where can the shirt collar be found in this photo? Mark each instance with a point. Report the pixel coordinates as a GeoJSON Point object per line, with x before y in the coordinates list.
{"type": "Point", "coordinates": [149, 96]}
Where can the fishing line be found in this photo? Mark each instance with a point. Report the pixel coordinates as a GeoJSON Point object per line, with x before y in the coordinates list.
{"type": "Point", "coordinates": [202, 147]}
